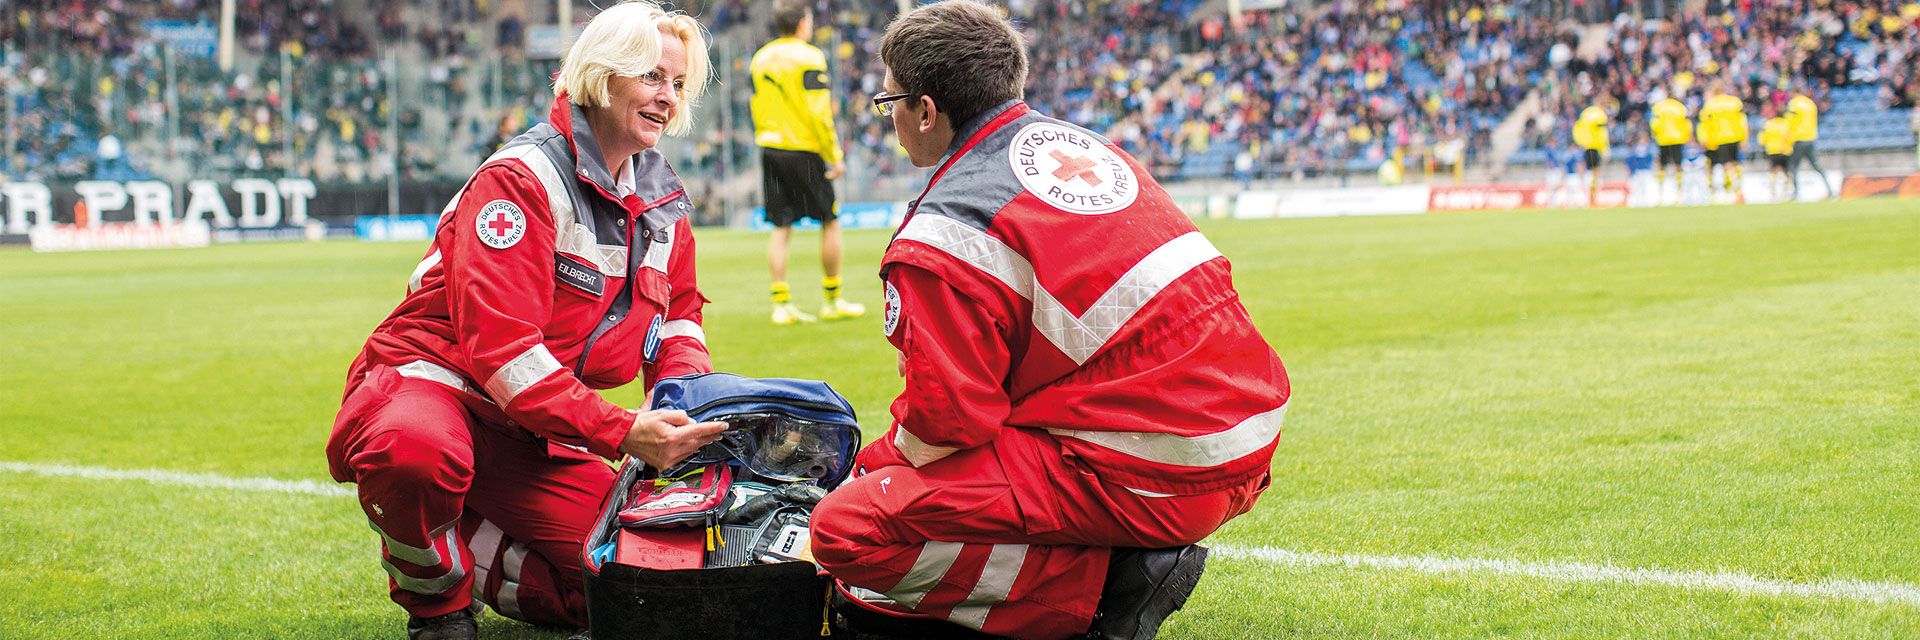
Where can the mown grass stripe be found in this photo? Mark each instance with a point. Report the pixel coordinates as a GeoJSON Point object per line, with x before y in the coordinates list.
{"type": "Point", "coordinates": [1881, 592]}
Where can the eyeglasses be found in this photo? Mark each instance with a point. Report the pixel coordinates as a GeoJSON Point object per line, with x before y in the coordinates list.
{"type": "Point", "coordinates": [883, 102]}
{"type": "Point", "coordinates": [655, 78]}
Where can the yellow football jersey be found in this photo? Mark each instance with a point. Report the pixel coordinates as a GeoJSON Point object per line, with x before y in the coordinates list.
{"type": "Point", "coordinates": [791, 106]}
{"type": "Point", "coordinates": [1669, 123]}
{"type": "Point", "coordinates": [1773, 137]}
{"type": "Point", "coordinates": [1590, 131]}
{"type": "Point", "coordinates": [1725, 118]}
{"type": "Point", "coordinates": [1803, 118]}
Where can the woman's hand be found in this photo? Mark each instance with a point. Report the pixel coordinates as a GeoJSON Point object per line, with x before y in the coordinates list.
{"type": "Point", "coordinates": [665, 437]}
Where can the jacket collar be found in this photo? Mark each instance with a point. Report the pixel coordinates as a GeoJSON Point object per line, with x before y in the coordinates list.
{"type": "Point", "coordinates": [570, 119]}
{"type": "Point", "coordinates": [964, 134]}
{"type": "Point", "coordinates": [970, 134]}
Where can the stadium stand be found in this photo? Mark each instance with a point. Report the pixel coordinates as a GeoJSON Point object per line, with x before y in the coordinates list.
{"type": "Point", "coordinates": [1287, 90]}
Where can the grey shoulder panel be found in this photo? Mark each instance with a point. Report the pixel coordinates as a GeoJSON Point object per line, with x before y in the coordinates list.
{"type": "Point", "coordinates": [980, 183]}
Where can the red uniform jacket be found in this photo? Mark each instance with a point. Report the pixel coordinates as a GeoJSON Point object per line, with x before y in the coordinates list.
{"type": "Point", "coordinates": [1044, 281]}
{"type": "Point", "coordinates": [547, 279]}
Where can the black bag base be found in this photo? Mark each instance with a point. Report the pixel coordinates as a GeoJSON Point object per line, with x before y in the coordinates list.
{"type": "Point", "coordinates": [755, 602]}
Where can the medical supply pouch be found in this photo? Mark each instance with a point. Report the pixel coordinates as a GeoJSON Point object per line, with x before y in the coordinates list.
{"type": "Point", "coordinates": [690, 497]}
{"type": "Point", "coordinates": [753, 491]}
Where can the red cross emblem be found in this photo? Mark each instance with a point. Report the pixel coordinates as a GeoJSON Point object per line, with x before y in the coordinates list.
{"type": "Point", "coordinates": [1074, 167]}
{"type": "Point", "coordinates": [500, 224]}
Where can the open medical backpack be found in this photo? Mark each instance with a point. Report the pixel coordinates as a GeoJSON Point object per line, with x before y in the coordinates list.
{"type": "Point", "coordinates": [718, 547]}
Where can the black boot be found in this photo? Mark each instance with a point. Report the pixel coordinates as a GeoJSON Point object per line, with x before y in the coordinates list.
{"type": "Point", "coordinates": [1144, 586]}
{"type": "Point", "coordinates": [459, 625]}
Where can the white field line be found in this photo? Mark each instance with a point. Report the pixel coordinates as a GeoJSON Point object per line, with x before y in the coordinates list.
{"type": "Point", "coordinates": [1880, 592]}
{"type": "Point", "coordinates": [176, 478]}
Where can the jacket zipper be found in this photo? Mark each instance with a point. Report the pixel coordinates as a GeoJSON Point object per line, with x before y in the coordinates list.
{"type": "Point", "coordinates": [805, 404]}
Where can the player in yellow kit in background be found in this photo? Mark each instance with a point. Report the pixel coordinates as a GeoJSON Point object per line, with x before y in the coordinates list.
{"type": "Point", "coordinates": [1775, 141]}
{"type": "Point", "coordinates": [1590, 133]}
{"type": "Point", "coordinates": [1671, 131]}
{"type": "Point", "coordinates": [1803, 128]}
{"type": "Point", "coordinates": [799, 156]}
{"type": "Point", "coordinates": [1723, 126]}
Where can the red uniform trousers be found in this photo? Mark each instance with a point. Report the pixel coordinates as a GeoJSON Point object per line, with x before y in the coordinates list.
{"type": "Point", "coordinates": [1011, 538]}
{"type": "Point", "coordinates": [465, 507]}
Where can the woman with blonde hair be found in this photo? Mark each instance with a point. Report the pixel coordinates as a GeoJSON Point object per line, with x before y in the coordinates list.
{"type": "Point", "coordinates": [470, 421]}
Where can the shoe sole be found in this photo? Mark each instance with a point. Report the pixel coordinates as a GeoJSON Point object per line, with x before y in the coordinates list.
{"type": "Point", "coordinates": [1181, 581]}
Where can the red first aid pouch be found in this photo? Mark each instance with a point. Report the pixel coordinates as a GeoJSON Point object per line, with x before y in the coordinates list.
{"type": "Point", "coordinates": [695, 497]}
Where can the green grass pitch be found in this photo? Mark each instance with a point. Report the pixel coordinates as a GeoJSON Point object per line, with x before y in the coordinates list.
{"type": "Point", "coordinates": [1730, 392]}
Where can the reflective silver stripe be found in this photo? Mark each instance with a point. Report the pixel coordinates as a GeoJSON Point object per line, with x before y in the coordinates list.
{"type": "Point", "coordinates": [415, 555]}
{"type": "Point", "coordinates": [1147, 494]}
{"type": "Point", "coordinates": [428, 586]}
{"type": "Point", "coordinates": [529, 367]}
{"type": "Point", "coordinates": [974, 247]}
{"type": "Point", "coordinates": [917, 451]}
{"type": "Point", "coordinates": [485, 547]}
{"type": "Point", "coordinates": [429, 371]}
{"type": "Point", "coordinates": [996, 581]}
{"type": "Point", "coordinates": [508, 602]}
{"type": "Point", "coordinates": [683, 329]}
{"type": "Point", "coordinates": [420, 272]}
{"type": "Point", "coordinates": [569, 234]}
{"type": "Point", "coordinates": [510, 564]}
{"type": "Point", "coordinates": [1213, 449]}
{"type": "Point", "coordinates": [425, 557]}
{"type": "Point", "coordinates": [1079, 337]}
{"type": "Point", "coordinates": [509, 599]}
{"type": "Point", "coordinates": [934, 560]}
{"type": "Point", "coordinates": [869, 595]}
{"type": "Point", "coordinates": [660, 252]}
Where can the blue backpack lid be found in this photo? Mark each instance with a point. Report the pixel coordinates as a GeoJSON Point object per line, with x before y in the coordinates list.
{"type": "Point", "coordinates": [707, 395]}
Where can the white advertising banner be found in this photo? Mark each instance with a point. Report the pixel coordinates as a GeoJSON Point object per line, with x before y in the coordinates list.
{"type": "Point", "coordinates": [119, 235]}
{"type": "Point", "coordinates": [1358, 201]}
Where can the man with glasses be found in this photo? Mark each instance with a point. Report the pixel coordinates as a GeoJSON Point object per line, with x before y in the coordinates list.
{"type": "Point", "coordinates": [799, 156]}
{"type": "Point", "coordinates": [1085, 395]}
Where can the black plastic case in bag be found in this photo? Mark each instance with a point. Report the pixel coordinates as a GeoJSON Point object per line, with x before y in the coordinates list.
{"type": "Point", "coordinates": [754, 602]}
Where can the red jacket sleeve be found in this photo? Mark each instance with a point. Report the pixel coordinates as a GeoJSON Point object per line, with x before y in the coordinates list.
{"type": "Point", "coordinates": [683, 342]}
{"type": "Point", "coordinates": [500, 294]}
{"type": "Point", "coordinates": [954, 357]}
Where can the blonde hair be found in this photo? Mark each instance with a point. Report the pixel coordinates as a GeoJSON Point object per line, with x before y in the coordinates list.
{"type": "Point", "coordinates": [625, 40]}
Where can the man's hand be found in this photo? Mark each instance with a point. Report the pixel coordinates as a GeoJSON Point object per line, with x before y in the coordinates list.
{"type": "Point", "coordinates": [838, 169]}
{"type": "Point", "coordinates": [665, 437]}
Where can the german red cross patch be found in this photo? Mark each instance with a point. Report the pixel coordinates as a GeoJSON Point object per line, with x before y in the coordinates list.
{"type": "Point", "coordinates": [1071, 169]}
{"type": "Point", "coordinates": [500, 224]}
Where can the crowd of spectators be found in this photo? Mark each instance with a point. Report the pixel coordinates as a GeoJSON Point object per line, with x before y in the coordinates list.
{"type": "Point", "coordinates": [88, 91]}
{"type": "Point", "coordinates": [1290, 89]}
{"type": "Point", "coordinates": [1762, 51]}
{"type": "Point", "coordinates": [1302, 88]}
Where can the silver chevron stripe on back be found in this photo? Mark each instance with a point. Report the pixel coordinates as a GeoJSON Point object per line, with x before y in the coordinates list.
{"type": "Point", "coordinates": [1078, 336]}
